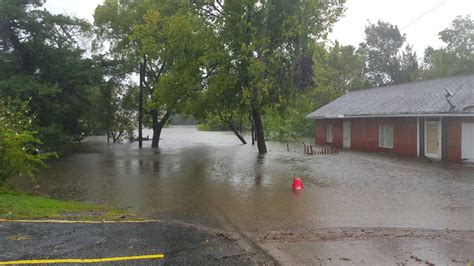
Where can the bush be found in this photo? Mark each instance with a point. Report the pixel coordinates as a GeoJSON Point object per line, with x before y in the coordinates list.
{"type": "Point", "coordinates": [212, 124]}
{"type": "Point", "coordinates": [18, 144]}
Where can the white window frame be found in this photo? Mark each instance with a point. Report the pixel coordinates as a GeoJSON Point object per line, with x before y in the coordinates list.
{"type": "Point", "coordinates": [329, 133]}
{"type": "Point", "coordinates": [383, 134]}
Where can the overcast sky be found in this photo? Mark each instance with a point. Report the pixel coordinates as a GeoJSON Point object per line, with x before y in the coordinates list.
{"type": "Point", "coordinates": [403, 13]}
{"type": "Point", "coordinates": [350, 29]}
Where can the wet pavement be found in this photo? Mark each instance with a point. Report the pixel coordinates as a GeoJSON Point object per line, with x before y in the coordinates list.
{"type": "Point", "coordinates": [370, 246]}
{"type": "Point", "coordinates": [209, 178]}
{"type": "Point", "coordinates": [180, 243]}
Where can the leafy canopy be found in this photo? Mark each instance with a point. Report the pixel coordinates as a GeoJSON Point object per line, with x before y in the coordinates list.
{"type": "Point", "coordinates": [42, 62]}
{"type": "Point", "coordinates": [457, 56]}
{"type": "Point", "coordinates": [388, 59]}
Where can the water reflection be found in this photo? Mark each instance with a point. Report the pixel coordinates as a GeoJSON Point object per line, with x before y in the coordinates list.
{"type": "Point", "coordinates": [259, 168]}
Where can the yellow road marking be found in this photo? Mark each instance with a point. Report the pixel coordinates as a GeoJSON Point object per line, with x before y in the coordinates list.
{"type": "Point", "coordinates": [49, 261]}
{"type": "Point", "coordinates": [72, 221]}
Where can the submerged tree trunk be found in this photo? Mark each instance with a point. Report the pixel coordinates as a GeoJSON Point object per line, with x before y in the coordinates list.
{"type": "Point", "coordinates": [156, 136]}
{"type": "Point", "coordinates": [257, 119]}
{"type": "Point", "coordinates": [158, 127]}
{"type": "Point", "coordinates": [252, 130]}
{"type": "Point", "coordinates": [155, 139]}
{"type": "Point", "coordinates": [237, 133]}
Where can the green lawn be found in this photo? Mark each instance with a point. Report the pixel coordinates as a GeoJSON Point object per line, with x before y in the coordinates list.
{"type": "Point", "coordinates": [15, 205]}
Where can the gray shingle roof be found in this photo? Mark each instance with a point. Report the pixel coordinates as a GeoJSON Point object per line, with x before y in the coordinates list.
{"type": "Point", "coordinates": [417, 98]}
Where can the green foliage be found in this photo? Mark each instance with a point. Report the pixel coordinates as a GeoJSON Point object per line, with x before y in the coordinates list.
{"type": "Point", "coordinates": [170, 39]}
{"type": "Point", "coordinates": [42, 61]}
{"type": "Point", "coordinates": [212, 124]}
{"type": "Point", "coordinates": [337, 69]}
{"type": "Point", "coordinates": [290, 125]}
{"type": "Point", "coordinates": [389, 60]}
{"type": "Point", "coordinates": [18, 145]}
{"type": "Point", "coordinates": [264, 49]}
{"type": "Point", "coordinates": [114, 113]}
{"type": "Point", "coordinates": [114, 22]}
{"type": "Point", "coordinates": [457, 57]}
{"type": "Point", "coordinates": [177, 42]}
{"type": "Point", "coordinates": [460, 36]}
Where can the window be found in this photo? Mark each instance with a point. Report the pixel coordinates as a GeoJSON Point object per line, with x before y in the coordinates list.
{"type": "Point", "coordinates": [386, 136]}
{"type": "Point", "coordinates": [328, 133]}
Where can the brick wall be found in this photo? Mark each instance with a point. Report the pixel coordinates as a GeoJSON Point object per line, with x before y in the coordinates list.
{"type": "Point", "coordinates": [454, 138]}
{"type": "Point", "coordinates": [365, 134]}
{"type": "Point", "coordinates": [405, 136]}
{"type": "Point", "coordinates": [320, 132]}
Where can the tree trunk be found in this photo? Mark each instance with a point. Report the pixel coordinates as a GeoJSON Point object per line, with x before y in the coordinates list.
{"type": "Point", "coordinates": [252, 130]}
{"type": "Point", "coordinates": [117, 136]}
{"type": "Point", "coordinates": [158, 127]}
{"type": "Point", "coordinates": [237, 133]}
{"type": "Point", "coordinates": [156, 136]}
{"type": "Point", "coordinates": [257, 118]}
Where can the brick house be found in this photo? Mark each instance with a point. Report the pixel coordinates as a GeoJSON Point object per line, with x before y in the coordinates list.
{"type": "Point", "coordinates": [433, 118]}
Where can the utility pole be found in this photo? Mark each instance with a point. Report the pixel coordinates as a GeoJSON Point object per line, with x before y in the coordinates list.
{"type": "Point", "coordinates": [140, 104]}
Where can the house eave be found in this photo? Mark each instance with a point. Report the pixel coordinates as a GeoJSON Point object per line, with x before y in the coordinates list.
{"type": "Point", "coordinates": [392, 115]}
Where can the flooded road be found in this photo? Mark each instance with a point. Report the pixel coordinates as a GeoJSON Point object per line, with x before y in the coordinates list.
{"type": "Point", "coordinates": [204, 176]}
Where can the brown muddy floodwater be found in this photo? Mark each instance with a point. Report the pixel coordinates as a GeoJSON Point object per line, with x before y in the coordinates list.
{"type": "Point", "coordinates": [204, 176]}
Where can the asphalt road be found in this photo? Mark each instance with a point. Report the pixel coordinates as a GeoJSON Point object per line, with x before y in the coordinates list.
{"type": "Point", "coordinates": [182, 244]}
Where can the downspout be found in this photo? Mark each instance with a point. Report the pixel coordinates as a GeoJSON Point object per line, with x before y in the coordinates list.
{"type": "Point", "coordinates": [417, 137]}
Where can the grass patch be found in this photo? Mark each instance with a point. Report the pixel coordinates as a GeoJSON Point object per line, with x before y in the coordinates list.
{"type": "Point", "coordinates": [16, 205]}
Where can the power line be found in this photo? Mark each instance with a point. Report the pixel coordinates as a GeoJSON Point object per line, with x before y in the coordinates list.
{"type": "Point", "coordinates": [423, 15]}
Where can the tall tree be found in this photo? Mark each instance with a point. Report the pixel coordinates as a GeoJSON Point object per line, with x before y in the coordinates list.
{"type": "Point", "coordinates": [176, 43]}
{"type": "Point", "coordinates": [114, 111]}
{"type": "Point", "coordinates": [457, 56]}
{"type": "Point", "coordinates": [336, 69]}
{"type": "Point", "coordinates": [389, 60]}
{"type": "Point", "coordinates": [217, 101]}
{"type": "Point", "coordinates": [268, 44]}
{"type": "Point", "coordinates": [164, 35]}
{"type": "Point", "coordinates": [114, 22]}
{"type": "Point", "coordinates": [42, 59]}
{"type": "Point", "coordinates": [340, 68]}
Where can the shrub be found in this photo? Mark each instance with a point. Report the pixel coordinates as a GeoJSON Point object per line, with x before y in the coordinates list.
{"type": "Point", "coordinates": [18, 144]}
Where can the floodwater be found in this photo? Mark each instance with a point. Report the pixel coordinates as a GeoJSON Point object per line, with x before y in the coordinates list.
{"type": "Point", "coordinates": [204, 176]}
